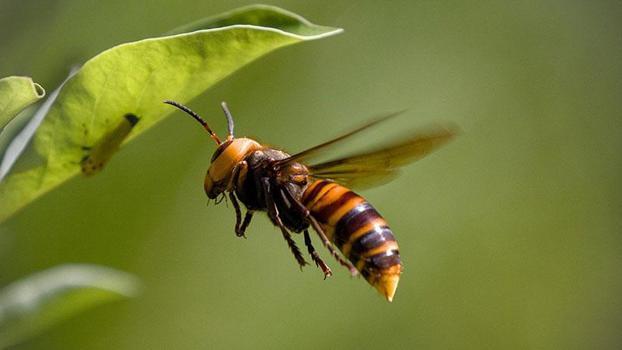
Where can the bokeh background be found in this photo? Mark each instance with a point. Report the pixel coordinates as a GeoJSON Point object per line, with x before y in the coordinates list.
{"type": "Point", "coordinates": [510, 235]}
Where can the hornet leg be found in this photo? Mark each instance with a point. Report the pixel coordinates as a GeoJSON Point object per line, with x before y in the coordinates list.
{"type": "Point", "coordinates": [331, 248]}
{"type": "Point", "coordinates": [327, 243]}
{"type": "Point", "coordinates": [316, 257]}
{"type": "Point", "coordinates": [240, 169]}
{"type": "Point", "coordinates": [273, 212]}
{"type": "Point", "coordinates": [240, 226]}
{"type": "Point", "coordinates": [285, 194]}
{"type": "Point", "coordinates": [247, 220]}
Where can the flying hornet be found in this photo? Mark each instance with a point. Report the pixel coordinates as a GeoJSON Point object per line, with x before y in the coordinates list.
{"type": "Point", "coordinates": [297, 193]}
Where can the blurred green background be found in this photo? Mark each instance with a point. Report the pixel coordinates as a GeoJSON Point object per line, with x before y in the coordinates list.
{"type": "Point", "coordinates": [510, 235]}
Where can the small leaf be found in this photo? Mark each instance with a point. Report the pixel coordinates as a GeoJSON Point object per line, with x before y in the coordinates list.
{"type": "Point", "coordinates": [20, 140]}
{"type": "Point", "coordinates": [135, 78]}
{"type": "Point", "coordinates": [37, 302]}
{"type": "Point", "coordinates": [17, 93]}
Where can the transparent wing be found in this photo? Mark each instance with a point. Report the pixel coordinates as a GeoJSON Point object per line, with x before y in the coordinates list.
{"type": "Point", "coordinates": [375, 166]}
{"type": "Point", "coordinates": [381, 164]}
{"type": "Point", "coordinates": [325, 147]}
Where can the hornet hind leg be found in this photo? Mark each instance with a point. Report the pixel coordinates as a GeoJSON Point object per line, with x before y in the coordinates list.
{"type": "Point", "coordinates": [316, 257]}
{"type": "Point", "coordinates": [288, 198]}
{"type": "Point", "coordinates": [331, 248]}
{"type": "Point", "coordinates": [318, 229]}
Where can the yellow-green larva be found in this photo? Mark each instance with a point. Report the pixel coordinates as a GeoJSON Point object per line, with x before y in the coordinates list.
{"type": "Point", "coordinates": [107, 146]}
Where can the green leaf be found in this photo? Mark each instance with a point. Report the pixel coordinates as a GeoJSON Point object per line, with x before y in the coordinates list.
{"type": "Point", "coordinates": [17, 93]}
{"type": "Point", "coordinates": [37, 302]}
{"type": "Point", "coordinates": [135, 78]}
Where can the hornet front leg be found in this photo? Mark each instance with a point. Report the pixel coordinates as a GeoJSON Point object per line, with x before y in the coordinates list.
{"type": "Point", "coordinates": [240, 169]}
{"type": "Point", "coordinates": [240, 226]}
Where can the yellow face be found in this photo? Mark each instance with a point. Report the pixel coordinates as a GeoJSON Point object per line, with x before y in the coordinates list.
{"type": "Point", "coordinates": [225, 159]}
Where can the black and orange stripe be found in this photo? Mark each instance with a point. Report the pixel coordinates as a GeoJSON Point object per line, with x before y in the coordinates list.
{"type": "Point", "coordinates": [359, 231]}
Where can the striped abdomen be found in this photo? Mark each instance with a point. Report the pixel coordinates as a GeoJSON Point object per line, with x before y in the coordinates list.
{"type": "Point", "coordinates": [357, 229]}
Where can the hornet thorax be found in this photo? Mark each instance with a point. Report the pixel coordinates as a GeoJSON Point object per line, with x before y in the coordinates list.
{"type": "Point", "coordinates": [262, 173]}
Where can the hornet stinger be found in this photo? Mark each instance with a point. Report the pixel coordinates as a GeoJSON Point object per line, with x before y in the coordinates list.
{"type": "Point", "coordinates": [297, 193]}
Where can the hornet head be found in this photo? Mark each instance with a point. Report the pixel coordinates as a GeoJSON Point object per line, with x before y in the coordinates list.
{"type": "Point", "coordinates": [228, 153]}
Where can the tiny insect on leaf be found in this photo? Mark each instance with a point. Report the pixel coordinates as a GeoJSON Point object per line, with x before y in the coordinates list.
{"type": "Point", "coordinates": [99, 154]}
